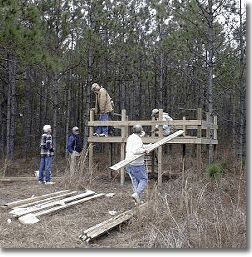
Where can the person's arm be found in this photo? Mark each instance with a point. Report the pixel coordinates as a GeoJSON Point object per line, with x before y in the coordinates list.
{"type": "Point", "coordinates": [102, 100]}
{"type": "Point", "coordinates": [70, 144]}
{"type": "Point", "coordinates": [43, 142]}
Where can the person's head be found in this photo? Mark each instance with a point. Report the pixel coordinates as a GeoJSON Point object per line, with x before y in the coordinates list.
{"type": "Point", "coordinates": [75, 130]}
{"type": "Point", "coordinates": [47, 129]}
{"type": "Point", "coordinates": [155, 113]}
{"type": "Point", "coordinates": [95, 88]}
{"type": "Point", "coordinates": [137, 129]}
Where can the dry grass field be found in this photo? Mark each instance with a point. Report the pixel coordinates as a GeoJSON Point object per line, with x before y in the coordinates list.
{"type": "Point", "coordinates": [203, 212]}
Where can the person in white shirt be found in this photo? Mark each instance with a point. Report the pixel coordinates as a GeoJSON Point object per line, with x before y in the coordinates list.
{"type": "Point", "coordinates": [167, 129]}
{"type": "Point", "coordinates": [136, 169]}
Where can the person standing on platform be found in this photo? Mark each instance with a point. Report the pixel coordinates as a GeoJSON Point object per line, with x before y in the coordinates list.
{"type": "Point", "coordinates": [103, 108]}
{"type": "Point", "coordinates": [167, 129]}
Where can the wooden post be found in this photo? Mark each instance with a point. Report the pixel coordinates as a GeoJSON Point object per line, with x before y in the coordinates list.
{"type": "Point", "coordinates": [123, 135]}
{"type": "Point", "coordinates": [152, 128]}
{"type": "Point", "coordinates": [184, 126]}
{"type": "Point", "coordinates": [208, 135]}
{"type": "Point", "coordinates": [91, 145]}
{"type": "Point", "coordinates": [160, 150]}
{"type": "Point", "coordinates": [199, 135]}
{"type": "Point", "coordinates": [183, 174]}
{"type": "Point", "coordinates": [208, 120]}
{"type": "Point", "coordinates": [110, 159]}
{"type": "Point", "coordinates": [215, 136]}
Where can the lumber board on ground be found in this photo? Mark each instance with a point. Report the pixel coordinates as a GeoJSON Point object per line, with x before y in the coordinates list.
{"type": "Point", "coordinates": [25, 219]}
{"type": "Point", "coordinates": [45, 200]}
{"type": "Point", "coordinates": [22, 211]}
{"type": "Point", "coordinates": [31, 199]}
{"type": "Point", "coordinates": [150, 148]}
{"type": "Point", "coordinates": [99, 229]}
{"type": "Point", "coordinates": [22, 179]}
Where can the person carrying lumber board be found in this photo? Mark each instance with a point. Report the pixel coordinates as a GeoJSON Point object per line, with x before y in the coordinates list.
{"type": "Point", "coordinates": [46, 153]}
{"type": "Point", "coordinates": [136, 169]}
{"type": "Point", "coordinates": [74, 148]}
{"type": "Point", "coordinates": [167, 129]}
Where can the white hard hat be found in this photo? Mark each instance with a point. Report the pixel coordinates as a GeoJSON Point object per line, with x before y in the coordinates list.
{"type": "Point", "coordinates": [154, 111]}
{"type": "Point", "coordinates": [46, 128]}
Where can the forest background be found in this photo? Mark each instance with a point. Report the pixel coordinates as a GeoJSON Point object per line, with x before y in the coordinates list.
{"type": "Point", "coordinates": [175, 55]}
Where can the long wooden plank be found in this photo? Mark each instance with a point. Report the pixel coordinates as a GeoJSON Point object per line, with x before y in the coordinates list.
{"type": "Point", "coordinates": [32, 199]}
{"type": "Point", "coordinates": [148, 140]}
{"type": "Point", "coordinates": [22, 179]}
{"type": "Point", "coordinates": [69, 204]}
{"type": "Point", "coordinates": [150, 148]}
{"type": "Point", "coordinates": [144, 123]}
{"type": "Point", "coordinates": [22, 211]}
{"type": "Point", "coordinates": [31, 218]}
{"type": "Point", "coordinates": [45, 200]}
{"type": "Point", "coordinates": [105, 226]}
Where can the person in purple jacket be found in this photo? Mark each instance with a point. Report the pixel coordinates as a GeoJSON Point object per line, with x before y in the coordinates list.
{"type": "Point", "coordinates": [74, 148]}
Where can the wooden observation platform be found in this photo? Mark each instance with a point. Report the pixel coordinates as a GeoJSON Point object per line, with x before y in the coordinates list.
{"type": "Point", "coordinates": [207, 127]}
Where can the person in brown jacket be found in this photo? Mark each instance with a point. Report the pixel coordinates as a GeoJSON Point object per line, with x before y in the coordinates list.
{"type": "Point", "coordinates": [103, 107]}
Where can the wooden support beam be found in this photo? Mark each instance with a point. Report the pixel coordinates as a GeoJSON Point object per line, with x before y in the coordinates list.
{"type": "Point", "coordinates": [123, 135]}
{"type": "Point", "coordinates": [148, 140]}
{"type": "Point", "coordinates": [199, 135]}
{"type": "Point", "coordinates": [184, 126]}
{"type": "Point", "coordinates": [215, 136]}
{"type": "Point", "coordinates": [192, 123]}
{"type": "Point", "coordinates": [103, 227]}
{"type": "Point", "coordinates": [160, 151]}
{"type": "Point", "coordinates": [110, 158]}
{"type": "Point", "coordinates": [91, 145]}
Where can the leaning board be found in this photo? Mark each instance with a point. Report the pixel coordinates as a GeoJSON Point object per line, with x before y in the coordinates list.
{"type": "Point", "coordinates": [164, 140]}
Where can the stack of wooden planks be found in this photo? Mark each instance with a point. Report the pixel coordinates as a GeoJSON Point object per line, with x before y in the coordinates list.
{"type": "Point", "coordinates": [28, 210]}
{"type": "Point", "coordinates": [103, 227]}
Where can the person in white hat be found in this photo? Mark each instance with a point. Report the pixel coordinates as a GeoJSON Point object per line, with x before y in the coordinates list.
{"type": "Point", "coordinates": [167, 129]}
{"type": "Point", "coordinates": [103, 107]}
{"type": "Point", "coordinates": [46, 153]}
{"type": "Point", "coordinates": [74, 148]}
{"type": "Point", "coordinates": [136, 169]}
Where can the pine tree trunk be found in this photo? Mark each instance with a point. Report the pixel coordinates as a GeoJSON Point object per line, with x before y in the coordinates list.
{"type": "Point", "coordinates": [242, 95]}
{"type": "Point", "coordinates": [68, 99]}
{"type": "Point", "coordinates": [11, 106]}
{"type": "Point", "coordinates": [55, 113]}
{"type": "Point", "coordinates": [27, 114]}
{"type": "Point", "coordinates": [210, 71]}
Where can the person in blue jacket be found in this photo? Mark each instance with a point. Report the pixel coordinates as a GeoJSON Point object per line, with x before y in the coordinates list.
{"type": "Point", "coordinates": [74, 148]}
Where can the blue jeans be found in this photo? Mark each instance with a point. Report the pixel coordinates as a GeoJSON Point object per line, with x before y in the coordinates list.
{"type": "Point", "coordinates": [103, 130]}
{"type": "Point", "coordinates": [45, 167]}
{"type": "Point", "coordinates": [139, 178]}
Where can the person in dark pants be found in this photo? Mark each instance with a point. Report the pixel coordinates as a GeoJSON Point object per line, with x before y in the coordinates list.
{"type": "Point", "coordinates": [74, 147]}
{"type": "Point", "coordinates": [46, 153]}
